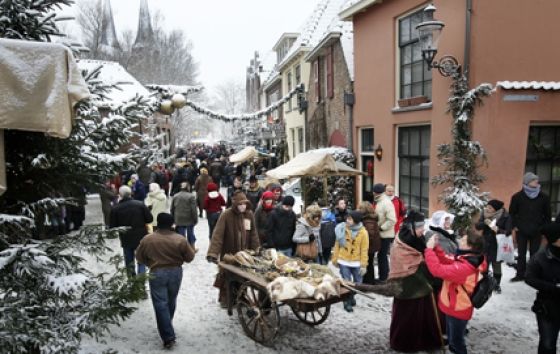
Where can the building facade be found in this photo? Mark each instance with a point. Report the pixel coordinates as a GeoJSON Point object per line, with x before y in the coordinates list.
{"type": "Point", "coordinates": [401, 105]}
{"type": "Point", "coordinates": [331, 85]}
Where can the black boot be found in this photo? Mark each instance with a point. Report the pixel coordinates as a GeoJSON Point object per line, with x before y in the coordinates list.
{"type": "Point", "coordinates": [498, 288]}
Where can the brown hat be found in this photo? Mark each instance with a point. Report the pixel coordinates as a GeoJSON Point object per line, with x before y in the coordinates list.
{"type": "Point", "coordinates": [239, 198]}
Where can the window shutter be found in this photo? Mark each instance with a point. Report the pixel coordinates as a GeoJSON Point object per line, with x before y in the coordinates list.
{"type": "Point", "coordinates": [316, 78]}
{"type": "Point", "coordinates": [330, 78]}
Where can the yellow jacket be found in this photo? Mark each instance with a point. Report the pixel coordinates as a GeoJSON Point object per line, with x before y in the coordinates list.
{"type": "Point", "coordinates": [354, 250]}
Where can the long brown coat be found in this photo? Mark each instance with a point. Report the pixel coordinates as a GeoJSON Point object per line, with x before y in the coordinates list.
{"type": "Point", "coordinates": [201, 188]}
{"type": "Point", "coordinates": [372, 227]}
{"type": "Point", "coordinates": [230, 236]}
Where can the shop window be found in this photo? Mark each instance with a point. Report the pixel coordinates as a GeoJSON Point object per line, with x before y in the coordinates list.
{"type": "Point", "coordinates": [414, 167]}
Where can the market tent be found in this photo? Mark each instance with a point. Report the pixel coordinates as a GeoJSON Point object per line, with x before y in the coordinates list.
{"type": "Point", "coordinates": [246, 154]}
{"type": "Point", "coordinates": [312, 164]}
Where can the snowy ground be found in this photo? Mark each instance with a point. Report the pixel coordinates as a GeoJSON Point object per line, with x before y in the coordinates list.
{"type": "Point", "coordinates": [505, 325]}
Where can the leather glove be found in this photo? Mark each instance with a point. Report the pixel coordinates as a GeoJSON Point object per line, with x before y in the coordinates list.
{"type": "Point", "coordinates": [211, 259]}
{"type": "Point", "coordinates": [363, 271]}
{"type": "Point", "coordinates": [311, 238]}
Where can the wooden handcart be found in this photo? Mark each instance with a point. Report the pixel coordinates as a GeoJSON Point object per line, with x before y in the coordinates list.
{"type": "Point", "coordinates": [259, 315]}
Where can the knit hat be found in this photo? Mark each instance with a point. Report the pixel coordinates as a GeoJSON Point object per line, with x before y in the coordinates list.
{"type": "Point", "coordinates": [496, 204]}
{"type": "Point", "coordinates": [378, 188]}
{"type": "Point", "coordinates": [165, 221]}
{"type": "Point", "coordinates": [551, 231]}
{"type": "Point", "coordinates": [267, 195]}
{"type": "Point", "coordinates": [289, 201]}
{"type": "Point", "coordinates": [529, 177]}
{"type": "Point", "coordinates": [356, 215]}
{"type": "Point", "coordinates": [253, 178]}
{"type": "Point", "coordinates": [212, 187]}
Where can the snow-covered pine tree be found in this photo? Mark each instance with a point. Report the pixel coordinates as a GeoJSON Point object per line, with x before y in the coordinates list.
{"type": "Point", "coordinates": [462, 157]}
{"type": "Point", "coordinates": [49, 298]}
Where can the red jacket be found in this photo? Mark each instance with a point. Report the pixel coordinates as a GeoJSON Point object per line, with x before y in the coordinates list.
{"type": "Point", "coordinates": [214, 205]}
{"type": "Point", "coordinates": [459, 279]}
{"type": "Point", "coordinates": [400, 212]}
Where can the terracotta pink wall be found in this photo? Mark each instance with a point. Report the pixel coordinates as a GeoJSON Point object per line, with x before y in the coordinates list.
{"type": "Point", "coordinates": [511, 40]}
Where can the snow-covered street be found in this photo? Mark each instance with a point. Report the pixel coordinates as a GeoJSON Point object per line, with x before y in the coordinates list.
{"type": "Point", "coordinates": [505, 325]}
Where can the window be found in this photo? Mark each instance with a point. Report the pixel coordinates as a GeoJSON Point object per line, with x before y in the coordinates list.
{"type": "Point", "coordinates": [415, 77]}
{"type": "Point", "coordinates": [300, 140]}
{"type": "Point", "coordinates": [414, 166]}
{"type": "Point", "coordinates": [329, 76]}
{"type": "Point", "coordinates": [367, 162]}
{"type": "Point", "coordinates": [298, 74]}
{"type": "Point", "coordinates": [543, 159]}
{"type": "Point", "coordinates": [367, 140]}
{"type": "Point", "coordinates": [289, 89]}
{"type": "Point", "coordinates": [316, 81]}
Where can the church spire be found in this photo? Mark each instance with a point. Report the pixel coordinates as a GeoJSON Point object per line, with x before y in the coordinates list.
{"type": "Point", "coordinates": [109, 41]}
{"type": "Point", "coordinates": [145, 32]}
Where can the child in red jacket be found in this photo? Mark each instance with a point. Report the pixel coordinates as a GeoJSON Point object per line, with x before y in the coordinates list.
{"type": "Point", "coordinates": [213, 204]}
{"type": "Point", "coordinates": [460, 275]}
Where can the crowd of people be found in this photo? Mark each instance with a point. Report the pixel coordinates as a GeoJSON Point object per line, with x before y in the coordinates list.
{"type": "Point", "coordinates": [437, 267]}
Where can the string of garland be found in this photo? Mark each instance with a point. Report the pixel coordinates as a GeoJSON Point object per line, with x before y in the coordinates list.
{"type": "Point", "coordinates": [171, 99]}
{"type": "Point", "coordinates": [170, 90]}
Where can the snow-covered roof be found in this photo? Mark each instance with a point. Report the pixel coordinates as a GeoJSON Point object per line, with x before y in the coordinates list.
{"type": "Point", "coordinates": [352, 7]}
{"type": "Point", "coordinates": [344, 31]}
{"type": "Point", "coordinates": [529, 85]}
{"type": "Point", "coordinates": [113, 73]}
{"type": "Point", "coordinates": [314, 28]}
{"type": "Point", "coordinates": [268, 63]}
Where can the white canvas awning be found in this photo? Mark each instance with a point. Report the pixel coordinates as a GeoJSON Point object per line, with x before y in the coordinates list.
{"type": "Point", "coordinates": [312, 164]}
{"type": "Point", "coordinates": [246, 154]}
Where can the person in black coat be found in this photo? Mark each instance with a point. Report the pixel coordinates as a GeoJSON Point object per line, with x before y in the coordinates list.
{"type": "Point", "coordinates": [134, 214]}
{"type": "Point", "coordinates": [543, 274]}
{"type": "Point", "coordinates": [494, 220]}
{"type": "Point", "coordinates": [529, 210]}
{"type": "Point", "coordinates": [341, 210]}
{"type": "Point", "coordinates": [281, 227]}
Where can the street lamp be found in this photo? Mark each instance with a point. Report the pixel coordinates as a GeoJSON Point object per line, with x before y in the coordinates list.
{"type": "Point", "coordinates": [429, 33]}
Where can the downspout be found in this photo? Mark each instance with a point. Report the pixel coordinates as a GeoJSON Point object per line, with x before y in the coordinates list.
{"type": "Point", "coordinates": [349, 100]}
{"type": "Point", "coordinates": [467, 56]}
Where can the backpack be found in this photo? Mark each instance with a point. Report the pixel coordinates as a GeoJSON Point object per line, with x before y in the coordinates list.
{"type": "Point", "coordinates": [483, 290]}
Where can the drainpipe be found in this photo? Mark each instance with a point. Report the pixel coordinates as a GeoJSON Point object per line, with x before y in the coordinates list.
{"type": "Point", "coordinates": [349, 100]}
{"type": "Point", "coordinates": [467, 56]}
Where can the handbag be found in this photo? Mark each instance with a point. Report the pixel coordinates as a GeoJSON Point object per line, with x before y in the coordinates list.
{"type": "Point", "coordinates": [307, 251]}
{"type": "Point", "coordinates": [505, 249]}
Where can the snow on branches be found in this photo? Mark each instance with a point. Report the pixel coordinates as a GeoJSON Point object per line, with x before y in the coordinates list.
{"type": "Point", "coordinates": [462, 157]}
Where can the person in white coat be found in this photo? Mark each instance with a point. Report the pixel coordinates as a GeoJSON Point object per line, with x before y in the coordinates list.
{"type": "Point", "coordinates": [385, 210]}
{"type": "Point", "coordinates": [156, 201]}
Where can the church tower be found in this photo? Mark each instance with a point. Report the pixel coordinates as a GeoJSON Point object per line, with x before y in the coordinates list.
{"type": "Point", "coordinates": [145, 34]}
{"type": "Point", "coordinates": [109, 43]}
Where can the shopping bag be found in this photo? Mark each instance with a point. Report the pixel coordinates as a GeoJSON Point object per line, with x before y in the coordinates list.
{"type": "Point", "coordinates": [505, 249]}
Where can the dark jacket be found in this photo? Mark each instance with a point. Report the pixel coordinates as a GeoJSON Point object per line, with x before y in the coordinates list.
{"type": "Point", "coordinates": [134, 214]}
{"type": "Point", "coordinates": [543, 274]}
{"type": "Point", "coordinates": [281, 227]}
{"type": "Point", "coordinates": [254, 196]}
{"type": "Point", "coordinates": [490, 244]}
{"type": "Point", "coordinates": [261, 220]}
{"type": "Point", "coordinates": [328, 237]}
{"type": "Point", "coordinates": [340, 215]}
{"type": "Point", "coordinates": [370, 223]}
{"type": "Point", "coordinates": [180, 177]}
{"type": "Point", "coordinates": [528, 215]}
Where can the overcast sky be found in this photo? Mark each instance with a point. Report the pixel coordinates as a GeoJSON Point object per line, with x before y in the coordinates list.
{"type": "Point", "coordinates": [224, 33]}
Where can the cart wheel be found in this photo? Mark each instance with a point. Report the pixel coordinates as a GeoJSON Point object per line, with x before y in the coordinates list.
{"type": "Point", "coordinates": [311, 316]}
{"type": "Point", "coordinates": [258, 315]}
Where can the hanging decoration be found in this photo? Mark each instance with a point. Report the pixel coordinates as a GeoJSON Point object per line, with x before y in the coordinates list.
{"type": "Point", "coordinates": [172, 100]}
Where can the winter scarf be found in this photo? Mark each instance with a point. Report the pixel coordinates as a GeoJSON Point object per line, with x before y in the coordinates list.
{"type": "Point", "coordinates": [531, 192]}
{"type": "Point", "coordinates": [405, 259]}
{"type": "Point", "coordinates": [340, 232]}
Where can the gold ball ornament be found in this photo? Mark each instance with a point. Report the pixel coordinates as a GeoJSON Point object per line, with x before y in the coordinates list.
{"type": "Point", "coordinates": [179, 101]}
{"type": "Point", "coordinates": [166, 107]}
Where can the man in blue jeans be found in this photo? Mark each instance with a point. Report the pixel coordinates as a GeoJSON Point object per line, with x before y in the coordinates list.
{"type": "Point", "coordinates": [135, 215]}
{"type": "Point", "coordinates": [164, 252]}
